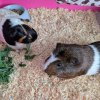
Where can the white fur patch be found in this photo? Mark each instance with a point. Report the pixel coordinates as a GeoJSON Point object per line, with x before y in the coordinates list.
{"type": "Point", "coordinates": [96, 63]}
{"type": "Point", "coordinates": [15, 21]}
{"type": "Point", "coordinates": [50, 60]}
{"type": "Point", "coordinates": [18, 46]}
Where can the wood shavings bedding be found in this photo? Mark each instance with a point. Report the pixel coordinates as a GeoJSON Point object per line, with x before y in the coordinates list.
{"type": "Point", "coordinates": [30, 82]}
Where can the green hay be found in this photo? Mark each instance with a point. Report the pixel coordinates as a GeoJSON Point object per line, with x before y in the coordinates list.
{"type": "Point", "coordinates": [22, 64]}
{"type": "Point", "coordinates": [29, 57]}
{"type": "Point", "coordinates": [6, 65]}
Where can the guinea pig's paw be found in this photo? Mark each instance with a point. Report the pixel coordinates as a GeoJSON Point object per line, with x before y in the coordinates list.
{"type": "Point", "coordinates": [18, 51]}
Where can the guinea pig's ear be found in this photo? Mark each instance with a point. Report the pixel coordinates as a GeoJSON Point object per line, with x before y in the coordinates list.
{"type": "Point", "coordinates": [59, 49]}
{"type": "Point", "coordinates": [62, 53]}
{"type": "Point", "coordinates": [73, 61]}
{"type": "Point", "coordinates": [62, 45]}
{"type": "Point", "coordinates": [58, 45]}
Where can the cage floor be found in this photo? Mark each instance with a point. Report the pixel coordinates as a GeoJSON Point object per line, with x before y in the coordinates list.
{"type": "Point", "coordinates": [30, 82]}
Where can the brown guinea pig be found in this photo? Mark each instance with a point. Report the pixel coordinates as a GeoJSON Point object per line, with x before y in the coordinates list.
{"type": "Point", "coordinates": [71, 60]}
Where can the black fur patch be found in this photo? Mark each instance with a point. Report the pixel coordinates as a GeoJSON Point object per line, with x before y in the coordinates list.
{"type": "Point", "coordinates": [13, 34]}
{"type": "Point", "coordinates": [7, 32]}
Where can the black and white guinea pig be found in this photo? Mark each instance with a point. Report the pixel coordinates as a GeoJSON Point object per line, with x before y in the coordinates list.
{"type": "Point", "coordinates": [71, 60]}
{"type": "Point", "coordinates": [16, 34]}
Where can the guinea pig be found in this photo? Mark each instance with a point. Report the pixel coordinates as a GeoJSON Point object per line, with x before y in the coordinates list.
{"type": "Point", "coordinates": [16, 34]}
{"type": "Point", "coordinates": [71, 60]}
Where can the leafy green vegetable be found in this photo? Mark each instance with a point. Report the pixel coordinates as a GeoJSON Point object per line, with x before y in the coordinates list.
{"type": "Point", "coordinates": [22, 65]}
{"type": "Point", "coordinates": [29, 57]}
{"type": "Point", "coordinates": [6, 65]}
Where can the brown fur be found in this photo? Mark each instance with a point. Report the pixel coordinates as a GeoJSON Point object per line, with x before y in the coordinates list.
{"type": "Point", "coordinates": [75, 60]}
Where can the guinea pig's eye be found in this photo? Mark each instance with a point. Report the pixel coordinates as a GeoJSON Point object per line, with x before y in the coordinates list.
{"type": "Point", "coordinates": [59, 65]}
